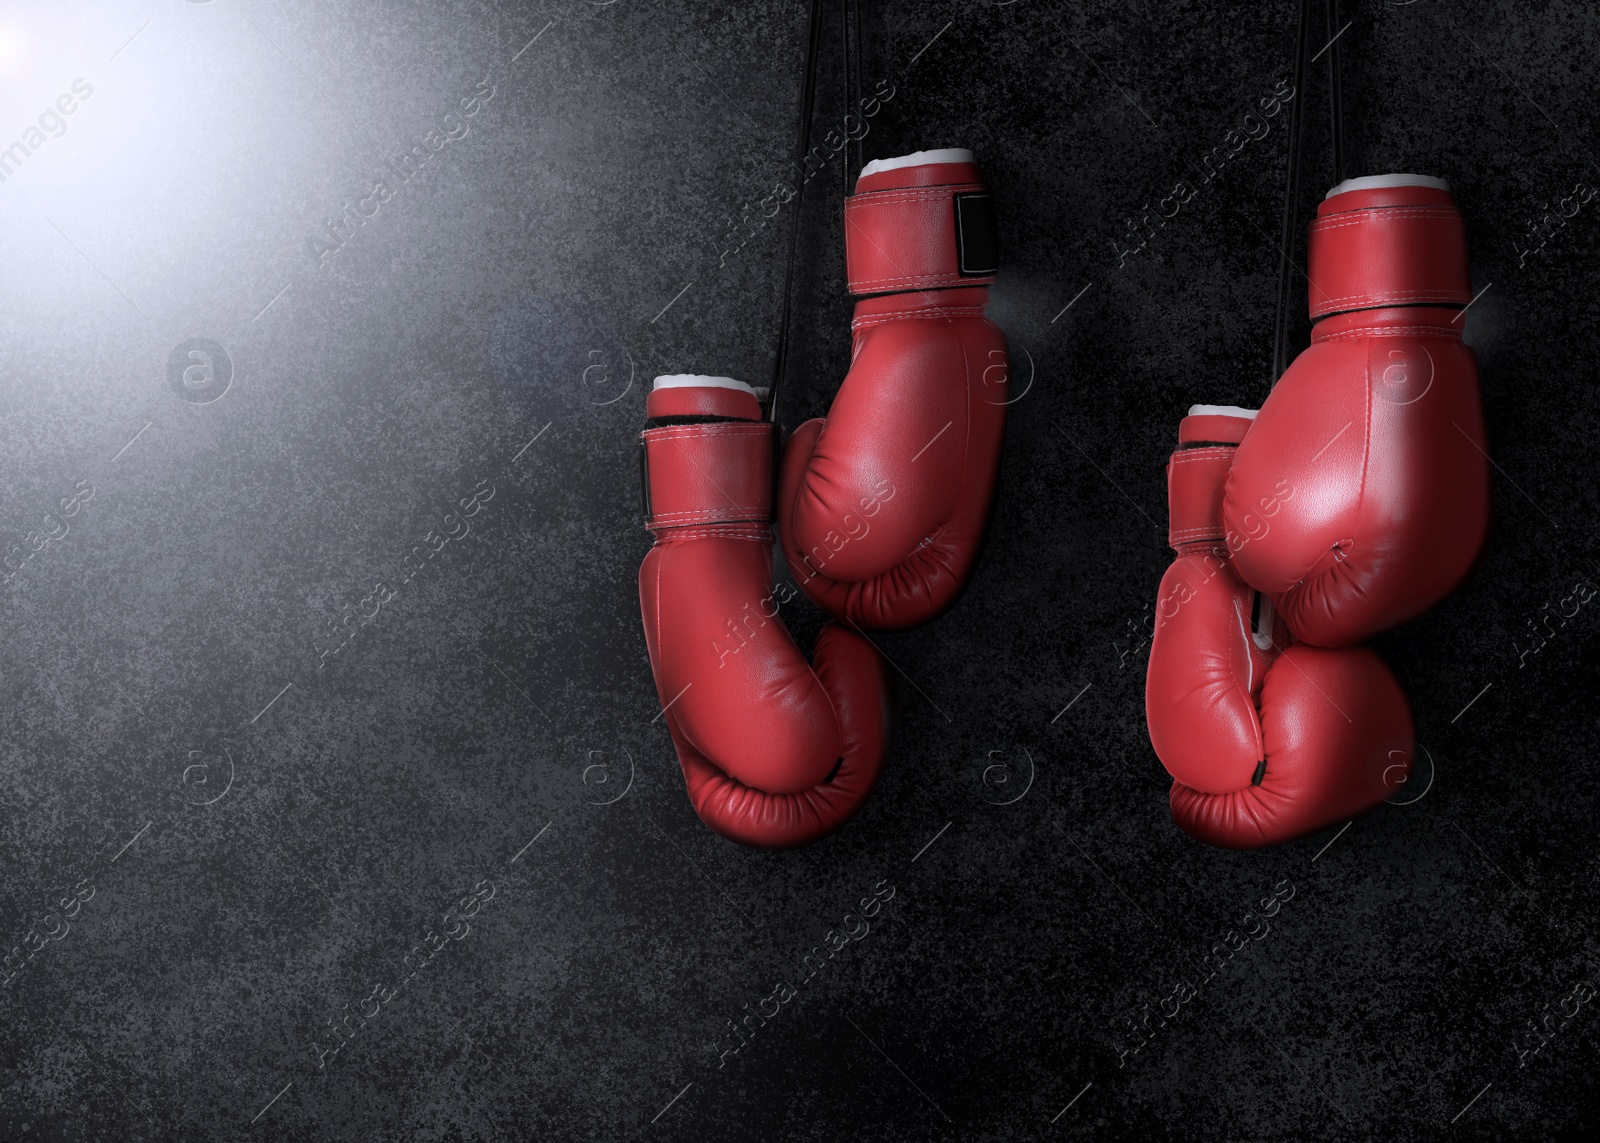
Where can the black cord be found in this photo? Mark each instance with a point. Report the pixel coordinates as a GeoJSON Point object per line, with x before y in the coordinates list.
{"type": "Point", "coordinates": [808, 95]}
{"type": "Point", "coordinates": [846, 61]}
{"type": "Point", "coordinates": [853, 89]}
{"type": "Point", "coordinates": [1291, 198]}
{"type": "Point", "coordinates": [1335, 93]}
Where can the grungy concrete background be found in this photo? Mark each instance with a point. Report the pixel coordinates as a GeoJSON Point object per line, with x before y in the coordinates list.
{"type": "Point", "coordinates": [334, 803]}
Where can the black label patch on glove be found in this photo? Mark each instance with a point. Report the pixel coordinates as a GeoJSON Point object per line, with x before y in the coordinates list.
{"type": "Point", "coordinates": [644, 478]}
{"type": "Point", "coordinates": [977, 237]}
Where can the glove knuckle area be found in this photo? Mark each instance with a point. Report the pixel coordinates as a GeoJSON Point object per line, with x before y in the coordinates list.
{"type": "Point", "coordinates": [1338, 731]}
{"type": "Point", "coordinates": [920, 587]}
{"type": "Point", "coordinates": [1339, 605]}
{"type": "Point", "coordinates": [1242, 819]}
{"type": "Point", "coordinates": [779, 821]}
{"type": "Point", "coordinates": [1339, 740]}
{"type": "Point", "coordinates": [757, 814]}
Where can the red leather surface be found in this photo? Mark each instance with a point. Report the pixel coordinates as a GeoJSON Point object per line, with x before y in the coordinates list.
{"type": "Point", "coordinates": [882, 506]}
{"type": "Point", "coordinates": [1360, 496]}
{"type": "Point", "coordinates": [1395, 246]}
{"type": "Point", "coordinates": [709, 473]}
{"type": "Point", "coordinates": [1332, 726]}
{"type": "Point", "coordinates": [1384, 197]}
{"type": "Point", "coordinates": [1338, 740]}
{"type": "Point", "coordinates": [1205, 676]}
{"type": "Point", "coordinates": [702, 401]}
{"type": "Point", "coordinates": [775, 753]}
{"type": "Point", "coordinates": [1212, 428]}
{"type": "Point", "coordinates": [1374, 447]}
{"type": "Point", "coordinates": [1194, 493]}
{"type": "Point", "coordinates": [900, 229]}
{"type": "Point", "coordinates": [926, 175]}
{"type": "Point", "coordinates": [856, 682]}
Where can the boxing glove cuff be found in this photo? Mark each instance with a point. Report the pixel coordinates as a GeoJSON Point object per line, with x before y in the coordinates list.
{"type": "Point", "coordinates": [715, 469]}
{"type": "Point", "coordinates": [1387, 241]}
{"type": "Point", "coordinates": [1207, 440]}
{"type": "Point", "coordinates": [923, 221]}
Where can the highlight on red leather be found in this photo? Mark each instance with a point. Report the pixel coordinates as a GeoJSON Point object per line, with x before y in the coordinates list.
{"type": "Point", "coordinates": [1363, 485]}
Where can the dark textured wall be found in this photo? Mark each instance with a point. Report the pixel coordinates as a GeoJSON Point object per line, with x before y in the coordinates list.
{"type": "Point", "coordinates": [253, 754]}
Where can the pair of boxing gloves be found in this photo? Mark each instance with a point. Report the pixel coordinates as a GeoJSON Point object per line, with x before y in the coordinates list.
{"type": "Point", "coordinates": [1354, 499]}
{"type": "Point", "coordinates": [881, 507]}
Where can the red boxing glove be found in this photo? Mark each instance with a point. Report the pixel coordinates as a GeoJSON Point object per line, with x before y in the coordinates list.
{"type": "Point", "coordinates": [774, 753]}
{"type": "Point", "coordinates": [1265, 742]}
{"type": "Point", "coordinates": [882, 506]}
{"type": "Point", "coordinates": [1363, 489]}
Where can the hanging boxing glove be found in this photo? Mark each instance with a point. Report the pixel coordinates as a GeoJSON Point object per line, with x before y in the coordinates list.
{"type": "Point", "coordinates": [1372, 443]}
{"type": "Point", "coordinates": [774, 753]}
{"type": "Point", "coordinates": [882, 505]}
{"type": "Point", "coordinates": [1265, 740]}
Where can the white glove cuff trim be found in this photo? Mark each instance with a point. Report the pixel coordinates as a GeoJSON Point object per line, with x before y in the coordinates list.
{"type": "Point", "coordinates": [696, 381]}
{"type": "Point", "coordinates": [1222, 411]}
{"type": "Point", "coordinates": [919, 159]}
{"type": "Point", "coordinates": [1382, 182]}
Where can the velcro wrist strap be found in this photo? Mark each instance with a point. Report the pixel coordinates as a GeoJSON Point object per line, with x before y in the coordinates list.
{"type": "Point", "coordinates": [1388, 256]}
{"type": "Point", "coordinates": [716, 473]}
{"type": "Point", "coordinates": [920, 238]}
{"type": "Point", "coordinates": [1195, 479]}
